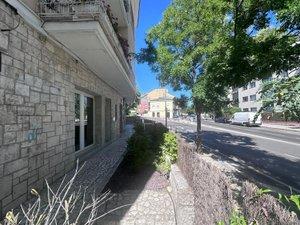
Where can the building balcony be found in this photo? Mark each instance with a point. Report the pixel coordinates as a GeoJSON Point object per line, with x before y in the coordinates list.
{"type": "Point", "coordinates": [90, 29]}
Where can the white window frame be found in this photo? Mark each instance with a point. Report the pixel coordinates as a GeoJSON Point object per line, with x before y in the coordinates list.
{"type": "Point", "coordinates": [81, 126]}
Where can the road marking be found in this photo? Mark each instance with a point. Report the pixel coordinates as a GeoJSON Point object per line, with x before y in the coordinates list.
{"type": "Point", "coordinates": [292, 156]}
{"type": "Point", "coordinates": [252, 135]}
{"type": "Point", "coordinates": [260, 170]}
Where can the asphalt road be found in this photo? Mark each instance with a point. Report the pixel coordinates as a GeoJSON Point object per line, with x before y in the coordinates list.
{"type": "Point", "coordinates": [270, 157]}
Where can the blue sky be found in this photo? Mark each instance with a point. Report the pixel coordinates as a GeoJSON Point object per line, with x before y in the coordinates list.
{"type": "Point", "coordinates": [151, 12]}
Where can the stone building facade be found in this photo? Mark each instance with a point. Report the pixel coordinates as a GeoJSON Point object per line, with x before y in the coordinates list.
{"type": "Point", "coordinates": [39, 80]}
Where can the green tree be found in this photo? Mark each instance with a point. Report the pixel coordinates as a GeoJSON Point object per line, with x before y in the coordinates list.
{"type": "Point", "coordinates": [181, 102]}
{"type": "Point", "coordinates": [283, 94]}
{"type": "Point", "coordinates": [262, 39]}
{"type": "Point", "coordinates": [228, 111]}
{"type": "Point", "coordinates": [177, 49]}
{"type": "Point", "coordinates": [134, 104]}
{"type": "Point", "coordinates": [206, 45]}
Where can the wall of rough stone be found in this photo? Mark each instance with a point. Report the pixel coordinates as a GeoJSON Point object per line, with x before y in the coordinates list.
{"type": "Point", "coordinates": [38, 80]}
{"type": "Point", "coordinates": [219, 190]}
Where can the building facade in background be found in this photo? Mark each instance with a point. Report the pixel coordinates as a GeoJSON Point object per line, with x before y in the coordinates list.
{"type": "Point", "coordinates": [247, 98]}
{"type": "Point", "coordinates": [158, 103]}
{"type": "Point", "coordinates": [66, 74]}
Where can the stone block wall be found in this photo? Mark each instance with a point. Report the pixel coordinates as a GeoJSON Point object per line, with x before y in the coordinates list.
{"type": "Point", "coordinates": [38, 80]}
{"type": "Point", "coordinates": [219, 189]}
{"type": "Point", "coordinates": [183, 197]}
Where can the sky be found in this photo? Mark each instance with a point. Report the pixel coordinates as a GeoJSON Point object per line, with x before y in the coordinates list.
{"type": "Point", "coordinates": [151, 12]}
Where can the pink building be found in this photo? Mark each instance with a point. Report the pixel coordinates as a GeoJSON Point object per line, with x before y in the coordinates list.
{"type": "Point", "coordinates": [143, 107]}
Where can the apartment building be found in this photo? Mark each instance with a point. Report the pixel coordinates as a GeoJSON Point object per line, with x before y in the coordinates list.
{"type": "Point", "coordinates": [247, 98]}
{"type": "Point", "coordinates": [65, 76]}
{"type": "Point", "coordinates": [158, 103]}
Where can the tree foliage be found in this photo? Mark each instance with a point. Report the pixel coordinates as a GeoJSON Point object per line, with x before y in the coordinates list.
{"type": "Point", "coordinates": [206, 45]}
{"type": "Point", "coordinates": [182, 102]}
{"type": "Point", "coordinates": [283, 95]}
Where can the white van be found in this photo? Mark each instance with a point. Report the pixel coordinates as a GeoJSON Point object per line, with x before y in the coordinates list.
{"type": "Point", "coordinates": [246, 118]}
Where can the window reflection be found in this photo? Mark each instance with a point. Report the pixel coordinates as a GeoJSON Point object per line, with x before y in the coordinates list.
{"type": "Point", "coordinates": [77, 122]}
{"type": "Point", "coordinates": [84, 119]}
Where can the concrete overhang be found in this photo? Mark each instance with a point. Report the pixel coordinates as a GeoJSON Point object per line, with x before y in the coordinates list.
{"type": "Point", "coordinates": [99, 49]}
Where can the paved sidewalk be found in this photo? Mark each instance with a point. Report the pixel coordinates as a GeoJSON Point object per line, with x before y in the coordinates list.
{"type": "Point", "coordinates": [146, 195]}
{"type": "Point", "coordinates": [283, 126]}
{"type": "Point", "coordinates": [148, 207]}
{"type": "Point", "coordinates": [146, 192]}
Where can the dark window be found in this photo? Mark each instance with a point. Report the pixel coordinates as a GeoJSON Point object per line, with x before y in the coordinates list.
{"type": "Point", "coordinates": [252, 84]}
{"type": "Point", "coordinates": [121, 117]}
{"type": "Point", "coordinates": [253, 109]}
{"type": "Point", "coordinates": [252, 97]}
{"type": "Point", "coordinates": [116, 113]}
{"type": "Point", "coordinates": [245, 99]}
{"type": "Point", "coordinates": [88, 121]}
{"type": "Point", "coordinates": [84, 121]}
{"type": "Point", "coordinates": [158, 114]}
{"type": "Point", "coordinates": [245, 87]}
{"type": "Point", "coordinates": [245, 110]}
{"type": "Point", "coordinates": [153, 114]}
{"type": "Point", "coordinates": [77, 122]}
{"type": "Point", "coordinates": [107, 120]}
{"type": "Point", "coordinates": [267, 79]}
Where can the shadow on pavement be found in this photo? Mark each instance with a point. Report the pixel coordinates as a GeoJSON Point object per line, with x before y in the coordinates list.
{"type": "Point", "coordinates": [244, 151]}
{"type": "Point", "coordinates": [145, 192]}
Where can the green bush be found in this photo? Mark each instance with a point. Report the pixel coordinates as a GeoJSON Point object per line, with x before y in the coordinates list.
{"type": "Point", "coordinates": [235, 219]}
{"type": "Point", "coordinates": [139, 152]}
{"type": "Point", "coordinates": [151, 144]}
{"type": "Point", "coordinates": [168, 153]}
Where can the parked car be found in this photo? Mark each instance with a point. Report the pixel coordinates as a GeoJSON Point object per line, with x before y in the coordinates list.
{"type": "Point", "coordinates": [192, 117]}
{"type": "Point", "coordinates": [221, 120]}
{"type": "Point", "coordinates": [246, 118]}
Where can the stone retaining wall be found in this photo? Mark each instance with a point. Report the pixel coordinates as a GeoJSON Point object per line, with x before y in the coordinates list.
{"type": "Point", "coordinates": [219, 190]}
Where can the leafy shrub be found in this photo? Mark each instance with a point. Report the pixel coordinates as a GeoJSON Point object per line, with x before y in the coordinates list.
{"type": "Point", "coordinates": [292, 202]}
{"type": "Point", "coordinates": [168, 152]}
{"type": "Point", "coordinates": [156, 134]}
{"type": "Point", "coordinates": [144, 145]}
{"type": "Point", "coordinates": [235, 219]}
{"type": "Point", "coordinates": [139, 152]}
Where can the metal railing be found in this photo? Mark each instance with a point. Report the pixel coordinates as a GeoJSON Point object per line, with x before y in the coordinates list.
{"type": "Point", "coordinates": [71, 8]}
{"type": "Point", "coordinates": [77, 10]}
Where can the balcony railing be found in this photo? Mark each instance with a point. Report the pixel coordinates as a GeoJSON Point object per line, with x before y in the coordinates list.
{"type": "Point", "coordinates": [72, 9]}
{"type": "Point", "coordinates": [78, 10]}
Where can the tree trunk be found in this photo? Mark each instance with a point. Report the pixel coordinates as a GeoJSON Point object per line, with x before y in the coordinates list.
{"type": "Point", "coordinates": [198, 109]}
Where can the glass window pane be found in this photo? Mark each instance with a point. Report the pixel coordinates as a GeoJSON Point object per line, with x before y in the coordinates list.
{"type": "Point", "coordinates": [88, 121]}
{"type": "Point", "coordinates": [77, 122]}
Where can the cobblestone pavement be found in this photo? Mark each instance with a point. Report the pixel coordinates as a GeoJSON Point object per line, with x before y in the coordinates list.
{"type": "Point", "coordinates": [146, 192]}
{"type": "Point", "coordinates": [148, 203]}
{"type": "Point", "coordinates": [98, 168]}
{"type": "Point", "coordinates": [149, 207]}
